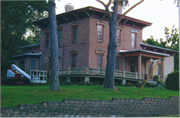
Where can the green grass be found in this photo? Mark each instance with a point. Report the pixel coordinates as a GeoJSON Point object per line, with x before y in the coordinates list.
{"type": "Point", "coordinates": [11, 96]}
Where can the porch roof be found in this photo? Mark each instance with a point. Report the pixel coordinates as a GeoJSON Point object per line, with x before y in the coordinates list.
{"type": "Point", "coordinates": [145, 53]}
{"type": "Point", "coordinates": [28, 54]}
{"type": "Point", "coordinates": [30, 46]}
{"type": "Point", "coordinates": [157, 47]}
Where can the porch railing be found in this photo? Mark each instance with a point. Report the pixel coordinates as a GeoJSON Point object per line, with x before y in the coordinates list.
{"type": "Point", "coordinates": [99, 72]}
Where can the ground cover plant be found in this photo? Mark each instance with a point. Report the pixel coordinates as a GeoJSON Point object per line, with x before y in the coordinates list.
{"type": "Point", "coordinates": [11, 96]}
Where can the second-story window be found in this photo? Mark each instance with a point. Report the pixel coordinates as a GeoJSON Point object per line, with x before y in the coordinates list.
{"type": "Point", "coordinates": [75, 33]}
{"type": "Point", "coordinates": [118, 34]}
{"type": "Point", "coordinates": [133, 44]}
{"type": "Point", "coordinates": [74, 28]}
{"type": "Point", "coordinates": [59, 36]}
{"type": "Point", "coordinates": [47, 37]}
{"type": "Point", "coordinates": [100, 32]}
{"type": "Point", "coordinates": [134, 38]}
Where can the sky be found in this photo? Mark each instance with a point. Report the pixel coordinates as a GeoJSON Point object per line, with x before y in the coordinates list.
{"type": "Point", "coordinates": [161, 13]}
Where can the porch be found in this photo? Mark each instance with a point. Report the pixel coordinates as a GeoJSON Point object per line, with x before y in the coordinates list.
{"type": "Point", "coordinates": [99, 73]}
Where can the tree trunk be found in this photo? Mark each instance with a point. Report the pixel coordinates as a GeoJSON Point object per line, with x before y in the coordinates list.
{"type": "Point", "coordinates": [111, 56]}
{"type": "Point", "coordinates": [54, 46]}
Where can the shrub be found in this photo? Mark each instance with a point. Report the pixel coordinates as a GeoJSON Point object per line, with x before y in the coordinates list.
{"type": "Point", "coordinates": [156, 77]}
{"type": "Point", "coordinates": [96, 83]}
{"type": "Point", "coordinates": [138, 85]}
{"type": "Point", "coordinates": [89, 83]}
{"type": "Point", "coordinates": [128, 84]}
{"type": "Point", "coordinates": [172, 81]}
{"type": "Point", "coordinates": [80, 83]}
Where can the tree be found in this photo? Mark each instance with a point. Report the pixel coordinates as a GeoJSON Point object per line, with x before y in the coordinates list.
{"type": "Point", "coordinates": [114, 21]}
{"type": "Point", "coordinates": [54, 46]}
{"type": "Point", "coordinates": [16, 18]}
{"type": "Point", "coordinates": [171, 42]}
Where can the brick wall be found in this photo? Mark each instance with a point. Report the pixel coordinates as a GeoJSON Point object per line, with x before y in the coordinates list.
{"type": "Point", "coordinates": [118, 107]}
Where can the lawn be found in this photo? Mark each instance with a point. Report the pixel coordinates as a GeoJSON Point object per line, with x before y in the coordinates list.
{"type": "Point", "coordinates": [11, 96]}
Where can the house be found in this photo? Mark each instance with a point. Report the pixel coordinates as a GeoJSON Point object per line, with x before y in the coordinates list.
{"type": "Point", "coordinates": [83, 37]}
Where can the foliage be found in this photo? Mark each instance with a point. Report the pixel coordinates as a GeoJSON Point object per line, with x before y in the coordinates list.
{"type": "Point", "coordinates": [171, 42]}
{"type": "Point", "coordinates": [16, 19]}
{"type": "Point", "coordinates": [172, 81]}
{"type": "Point", "coordinates": [11, 96]}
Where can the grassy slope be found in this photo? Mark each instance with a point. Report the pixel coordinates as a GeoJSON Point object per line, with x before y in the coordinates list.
{"type": "Point", "coordinates": [11, 96]}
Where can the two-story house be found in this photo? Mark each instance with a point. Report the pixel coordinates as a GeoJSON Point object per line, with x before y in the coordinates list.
{"type": "Point", "coordinates": [83, 37]}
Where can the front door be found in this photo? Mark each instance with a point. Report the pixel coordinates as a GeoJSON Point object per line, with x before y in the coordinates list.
{"type": "Point", "coordinates": [132, 67]}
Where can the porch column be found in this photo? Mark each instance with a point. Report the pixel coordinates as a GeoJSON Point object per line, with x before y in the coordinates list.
{"type": "Point", "coordinates": [86, 78]}
{"type": "Point", "coordinates": [68, 79]}
{"type": "Point", "coordinates": [139, 65]}
{"type": "Point", "coordinates": [163, 70]}
{"type": "Point", "coordinates": [122, 63]}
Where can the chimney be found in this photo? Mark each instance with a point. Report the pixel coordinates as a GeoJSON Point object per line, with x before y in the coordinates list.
{"type": "Point", "coordinates": [69, 7]}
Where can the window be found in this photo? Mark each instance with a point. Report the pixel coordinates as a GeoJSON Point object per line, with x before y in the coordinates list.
{"type": "Point", "coordinates": [117, 67]}
{"type": "Point", "coordinates": [74, 32]}
{"type": "Point", "coordinates": [47, 39]}
{"type": "Point", "coordinates": [118, 34]}
{"type": "Point", "coordinates": [73, 61]}
{"type": "Point", "coordinates": [22, 64]}
{"type": "Point", "coordinates": [99, 61]}
{"type": "Point", "coordinates": [33, 64]}
{"type": "Point", "coordinates": [133, 40]}
{"type": "Point", "coordinates": [150, 69]}
{"type": "Point", "coordinates": [100, 32]}
{"type": "Point", "coordinates": [132, 67]}
{"type": "Point", "coordinates": [59, 36]}
{"type": "Point", "coordinates": [159, 70]}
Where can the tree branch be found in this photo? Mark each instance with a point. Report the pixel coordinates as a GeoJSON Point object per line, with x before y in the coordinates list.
{"type": "Point", "coordinates": [119, 19]}
{"type": "Point", "coordinates": [106, 7]}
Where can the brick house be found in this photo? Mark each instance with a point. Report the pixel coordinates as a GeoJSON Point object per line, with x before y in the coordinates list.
{"type": "Point", "coordinates": [83, 36]}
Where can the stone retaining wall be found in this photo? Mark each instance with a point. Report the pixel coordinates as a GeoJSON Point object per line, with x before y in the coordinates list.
{"type": "Point", "coordinates": [118, 107]}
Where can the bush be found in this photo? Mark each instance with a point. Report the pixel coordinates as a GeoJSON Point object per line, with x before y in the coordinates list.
{"type": "Point", "coordinates": [128, 84]}
{"type": "Point", "coordinates": [80, 83]}
{"type": "Point", "coordinates": [172, 81]}
{"type": "Point", "coordinates": [156, 77]}
{"type": "Point", "coordinates": [138, 85]}
{"type": "Point", "coordinates": [96, 83]}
